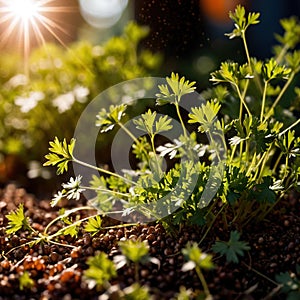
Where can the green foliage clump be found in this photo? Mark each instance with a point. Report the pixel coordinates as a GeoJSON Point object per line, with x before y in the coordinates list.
{"type": "Point", "coordinates": [48, 100]}
{"type": "Point", "coordinates": [101, 269]}
{"type": "Point", "coordinates": [232, 249]}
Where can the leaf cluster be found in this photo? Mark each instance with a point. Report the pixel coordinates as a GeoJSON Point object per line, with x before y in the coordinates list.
{"type": "Point", "coordinates": [231, 249]}
{"type": "Point", "coordinates": [17, 221]}
{"type": "Point", "coordinates": [61, 154]}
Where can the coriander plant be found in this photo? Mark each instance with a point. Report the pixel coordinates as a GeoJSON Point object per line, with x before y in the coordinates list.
{"type": "Point", "coordinates": [259, 143]}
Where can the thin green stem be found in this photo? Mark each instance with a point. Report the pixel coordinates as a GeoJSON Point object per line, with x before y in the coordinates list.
{"type": "Point", "coordinates": [106, 191]}
{"type": "Point", "coordinates": [242, 99]}
{"type": "Point", "coordinates": [152, 136]}
{"type": "Point", "coordinates": [241, 152]}
{"type": "Point", "coordinates": [289, 128]}
{"type": "Point", "coordinates": [267, 211]}
{"type": "Point", "coordinates": [211, 224]}
{"type": "Point", "coordinates": [67, 213]}
{"type": "Point", "coordinates": [282, 53]}
{"type": "Point", "coordinates": [246, 50]}
{"type": "Point", "coordinates": [263, 101]}
{"type": "Point", "coordinates": [283, 90]}
{"type": "Point", "coordinates": [277, 162]}
{"type": "Point", "coordinates": [260, 274]}
{"type": "Point", "coordinates": [257, 167]}
{"type": "Point", "coordinates": [129, 133]}
{"type": "Point", "coordinates": [232, 154]}
{"type": "Point", "coordinates": [103, 171]}
{"type": "Point", "coordinates": [180, 118]}
{"type": "Point", "coordinates": [203, 281]}
{"type": "Point", "coordinates": [243, 96]}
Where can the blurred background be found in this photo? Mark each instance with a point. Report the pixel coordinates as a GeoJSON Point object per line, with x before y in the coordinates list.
{"type": "Point", "coordinates": [56, 56]}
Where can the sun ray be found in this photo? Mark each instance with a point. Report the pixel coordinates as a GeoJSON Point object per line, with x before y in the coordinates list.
{"type": "Point", "coordinates": [26, 19]}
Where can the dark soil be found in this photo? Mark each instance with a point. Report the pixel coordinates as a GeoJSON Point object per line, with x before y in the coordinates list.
{"type": "Point", "coordinates": [57, 271]}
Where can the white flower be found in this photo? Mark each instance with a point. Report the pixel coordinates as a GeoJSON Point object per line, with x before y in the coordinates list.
{"type": "Point", "coordinates": [73, 183]}
{"type": "Point", "coordinates": [64, 102]}
{"type": "Point", "coordinates": [37, 170]}
{"type": "Point", "coordinates": [73, 187]}
{"type": "Point", "coordinates": [17, 80]}
{"type": "Point", "coordinates": [56, 198]}
{"type": "Point", "coordinates": [28, 103]}
{"type": "Point", "coordinates": [81, 93]}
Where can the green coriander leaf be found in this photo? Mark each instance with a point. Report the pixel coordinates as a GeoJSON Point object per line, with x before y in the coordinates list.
{"type": "Point", "coordinates": [271, 70]}
{"type": "Point", "coordinates": [101, 270]}
{"type": "Point", "coordinates": [107, 120]}
{"type": "Point", "coordinates": [146, 122]}
{"type": "Point", "coordinates": [25, 282]}
{"type": "Point", "coordinates": [178, 86]}
{"type": "Point", "coordinates": [163, 124]}
{"type": "Point", "coordinates": [71, 230]}
{"type": "Point", "coordinates": [290, 282]}
{"type": "Point", "coordinates": [205, 115]}
{"type": "Point", "coordinates": [262, 192]}
{"type": "Point", "coordinates": [135, 291]}
{"type": "Point", "coordinates": [135, 251]}
{"type": "Point", "coordinates": [17, 220]}
{"type": "Point", "coordinates": [62, 154]}
{"type": "Point", "coordinates": [293, 60]}
{"type": "Point", "coordinates": [93, 225]}
{"type": "Point", "coordinates": [241, 21]}
{"type": "Point", "coordinates": [196, 258]}
{"type": "Point", "coordinates": [291, 36]}
{"type": "Point", "coordinates": [232, 249]}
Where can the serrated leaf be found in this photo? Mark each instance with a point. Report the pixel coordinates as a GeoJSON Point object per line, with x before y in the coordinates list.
{"type": "Point", "coordinates": [101, 269]}
{"type": "Point", "coordinates": [62, 154]}
{"type": "Point", "coordinates": [176, 88]}
{"type": "Point", "coordinates": [93, 225]}
{"type": "Point", "coordinates": [71, 230]}
{"type": "Point", "coordinates": [146, 122]}
{"type": "Point", "coordinates": [232, 249]}
{"type": "Point", "coordinates": [17, 220]}
{"type": "Point", "coordinates": [193, 253]}
{"type": "Point", "coordinates": [242, 21]}
{"type": "Point", "coordinates": [163, 124]}
{"type": "Point", "coordinates": [271, 70]}
{"type": "Point", "coordinates": [263, 192]}
{"type": "Point", "coordinates": [134, 251]}
{"type": "Point", "coordinates": [107, 120]}
{"type": "Point", "coordinates": [25, 282]}
{"type": "Point", "coordinates": [205, 115]}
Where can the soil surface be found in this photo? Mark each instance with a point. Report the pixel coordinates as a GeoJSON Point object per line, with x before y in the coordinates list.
{"type": "Point", "coordinates": [57, 270]}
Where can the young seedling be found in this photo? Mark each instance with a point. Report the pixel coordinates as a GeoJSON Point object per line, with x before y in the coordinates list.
{"type": "Point", "coordinates": [199, 261]}
{"type": "Point", "coordinates": [101, 269]}
{"type": "Point", "coordinates": [136, 252]}
{"type": "Point", "coordinates": [290, 284]}
{"type": "Point", "coordinates": [25, 282]}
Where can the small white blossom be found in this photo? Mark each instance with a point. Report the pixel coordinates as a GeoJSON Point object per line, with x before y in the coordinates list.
{"type": "Point", "coordinates": [73, 187]}
{"type": "Point", "coordinates": [64, 102]}
{"type": "Point", "coordinates": [81, 93]}
{"type": "Point", "coordinates": [56, 198]}
{"type": "Point", "coordinates": [17, 80]}
{"type": "Point", "coordinates": [28, 103]}
{"type": "Point", "coordinates": [37, 170]}
{"type": "Point", "coordinates": [73, 183]}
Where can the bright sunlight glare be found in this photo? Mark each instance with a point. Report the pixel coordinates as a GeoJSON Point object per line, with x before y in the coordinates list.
{"type": "Point", "coordinates": [25, 10]}
{"type": "Point", "coordinates": [24, 20]}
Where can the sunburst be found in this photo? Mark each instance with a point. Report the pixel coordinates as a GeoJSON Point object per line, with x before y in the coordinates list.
{"type": "Point", "coordinates": [24, 20]}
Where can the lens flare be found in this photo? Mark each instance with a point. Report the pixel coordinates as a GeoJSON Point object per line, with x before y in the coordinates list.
{"type": "Point", "coordinates": [25, 20]}
{"type": "Point", "coordinates": [24, 10]}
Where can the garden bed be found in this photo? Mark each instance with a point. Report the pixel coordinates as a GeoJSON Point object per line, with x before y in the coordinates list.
{"type": "Point", "coordinates": [57, 271]}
